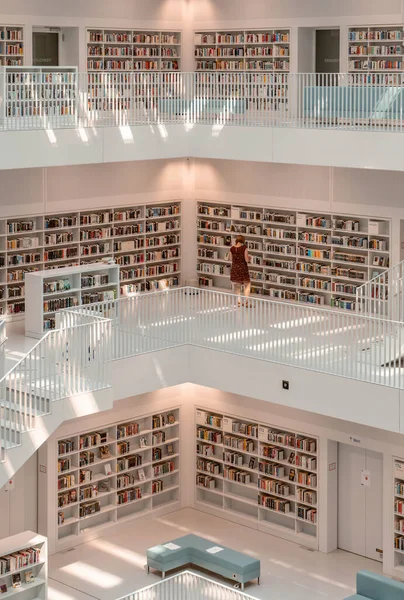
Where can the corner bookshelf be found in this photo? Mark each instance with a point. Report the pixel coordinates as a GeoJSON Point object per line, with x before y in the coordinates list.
{"type": "Point", "coordinates": [24, 557]}
{"type": "Point", "coordinates": [124, 50]}
{"type": "Point", "coordinates": [316, 258]}
{"type": "Point", "coordinates": [11, 45]}
{"type": "Point", "coordinates": [32, 93]}
{"type": "Point", "coordinates": [398, 546]}
{"type": "Point", "coordinates": [375, 54]}
{"type": "Point", "coordinates": [48, 292]}
{"type": "Point", "coordinates": [144, 240]}
{"type": "Point", "coordinates": [115, 473]}
{"type": "Point", "coordinates": [257, 474]}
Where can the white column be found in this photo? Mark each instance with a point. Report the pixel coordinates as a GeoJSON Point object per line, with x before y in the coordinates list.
{"type": "Point", "coordinates": [328, 495]}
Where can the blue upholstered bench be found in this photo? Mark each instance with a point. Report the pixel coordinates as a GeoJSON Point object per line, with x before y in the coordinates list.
{"type": "Point", "coordinates": [370, 586]}
{"type": "Point", "coordinates": [192, 549]}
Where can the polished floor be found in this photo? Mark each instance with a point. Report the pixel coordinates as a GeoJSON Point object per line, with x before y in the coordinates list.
{"type": "Point", "coordinates": [114, 565]}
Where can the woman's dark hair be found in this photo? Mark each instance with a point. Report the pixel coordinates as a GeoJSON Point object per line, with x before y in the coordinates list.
{"type": "Point", "coordinates": [240, 239]}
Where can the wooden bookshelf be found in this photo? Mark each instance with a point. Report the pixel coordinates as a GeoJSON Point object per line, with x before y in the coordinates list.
{"type": "Point", "coordinates": [121, 471]}
{"type": "Point", "coordinates": [123, 50]}
{"type": "Point", "coordinates": [254, 51]}
{"type": "Point", "coordinates": [296, 256]}
{"type": "Point", "coordinates": [11, 45]}
{"type": "Point", "coordinates": [144, 240]}
{"type": "Point", "coordinates": [258, 475]}
{"type": "Point", "coordinates": [29, 564]}
{"type": "Point", "coordinates": [398, 508]}
{"type": "Point", "coordinates": [375, 54]}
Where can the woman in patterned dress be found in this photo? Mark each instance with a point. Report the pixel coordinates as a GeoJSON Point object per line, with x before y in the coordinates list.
{"type": "Point", "coordinates": [239, 275]}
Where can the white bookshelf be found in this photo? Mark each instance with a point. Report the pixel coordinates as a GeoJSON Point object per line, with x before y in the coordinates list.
{"type": "Point", "coordinates": [141, 475]}
{"type": "Point", "coordinates": [144, 242]}
{"type": "Point", "coordinates": [34, 93]}
{"type": "Point", "coordinates": [11, 45]}
{"type": "Point", "coordinates": [398, 508]}
{"type": "Point", "coordinates": [254, 51]}
{"type": "Point", "coordinates": [121, 50]}
{"type": "Point", "coordinates": [375, 54]}
{"type": "Point", "coordinates": [258, 475]}
{"type": "Point", "coordinates": [33, 565]}
{"type": "Point", "coordinates": [296, 256]}
{"type": "Point", "coordinates": [47, 292]}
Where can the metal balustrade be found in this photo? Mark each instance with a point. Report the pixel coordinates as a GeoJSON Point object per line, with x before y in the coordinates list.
{"type": "Point", "coordinates": [383, 296]}
{"type": "Point", "coordinates": [65, 362]}
{"type": "Point", "coordinates": [366, 101]}
{"type": "Point", "coordinates": [341, 343]}
{"type": "Point", "coordinates": [188, 586]}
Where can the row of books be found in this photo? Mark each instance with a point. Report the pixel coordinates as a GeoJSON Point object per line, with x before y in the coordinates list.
{"type": "Point", "coordinates": [159, 421]}
{"type": "Point", "coordinates": [57, 304]}
{"type": "Point", "coordinates": [66, 446]}
{"type": "Point", "coordinates": [206, 481]}
{"type": "Point", "coordinates": [24, 242]}
{"type": "Point", "coordinates": [66, 482]}
{"type": "Point", "coordinates": [238, 443]}
{"type": "Point", "coordinates": [89, 508]}
{"type": "Point", "coordinates": [281, 506]}
{"type": "Point", "coordinates": [55, 239]}
{"type": "Point", "coordinates": [208, 466]}
{"type": "Point", "coordinates": [132, 38]}
{"type": "Point", "coordinates": [124, 464]}
{"type": "Point", "coordinates": [19, 560]}
{"type": "Point", "coordinates": [234, 474]}
{"type": "Point", "coordinates": [399, 488]}
{"type": "Point", "coordinates": [275, 487]}
{"type": "Point", "coordinates": [307, 514]}
{"type": "Point", "coordinates": [92, 439]}
{"type": "Point", "coordinates": [129, 495]}
{"type": "Point", "coordinates": [163, 468]}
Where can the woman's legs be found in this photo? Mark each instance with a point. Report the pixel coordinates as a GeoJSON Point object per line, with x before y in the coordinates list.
{"type": "Point", "coordinates": [237, 290]}
{"type": "Point", "coordinates": [247, 290]}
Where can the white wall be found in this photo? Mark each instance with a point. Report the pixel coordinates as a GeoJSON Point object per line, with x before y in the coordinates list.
{"type": "Point", "coordinates": [18, 507]}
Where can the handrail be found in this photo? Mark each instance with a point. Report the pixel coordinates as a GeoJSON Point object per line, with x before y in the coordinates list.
{"type": "Point", "coordinates": [63, 363]}
{"type": "Point", "coordinates": [383, 295]}
{"type": "Point", "coordinates": [187, 585]}
{"type": "Point", "coordinates": [343, 343]}
{"type": "Point", "coordinates": [349, 101]}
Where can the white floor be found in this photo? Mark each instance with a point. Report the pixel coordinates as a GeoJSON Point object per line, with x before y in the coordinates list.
{"type": "Point", "coordinates": [112, 566]}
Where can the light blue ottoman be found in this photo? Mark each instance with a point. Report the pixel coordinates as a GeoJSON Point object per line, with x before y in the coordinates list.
{"type": "Point", "coordinates": [370, 586]}
{"type": "Point", "coordinates": [192, 549]}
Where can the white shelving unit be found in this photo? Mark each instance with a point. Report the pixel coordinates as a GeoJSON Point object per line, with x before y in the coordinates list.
{"type": "Point", "coordinates": [295, 255]}
{"type": "Point", "coordinates": [257, 51]}
{"type": "Point", "coordinates": [30, 566]}
{"type": "Point", "coordinates": [238, 462]}
{"type": "Point", "coordinates": [119, 472]}
{"type": "Point", "coordinates": [33, 94]}
{"type": "Point", "coordinates": [133, 50]}
{"type": "Point", "coordinates": [11, 45]}
{"type": "Point", "coordinates": [47, 292]}
{"type": "Point", "coordinates": [145, 241]}
{"type": "Point", "coordinates": [375, 54]}
{"type": "Point", "coordinates": [398, 526]}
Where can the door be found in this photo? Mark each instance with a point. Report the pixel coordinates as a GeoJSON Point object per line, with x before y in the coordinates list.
{"type": "Point", "coordinates": [360, 501]}
{"type": "Point", "coordinates": [45, 49]}
{"type": "Point", "coordinates": [327, 51]}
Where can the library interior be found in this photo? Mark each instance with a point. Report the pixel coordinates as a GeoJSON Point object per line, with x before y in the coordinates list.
{"type": "Point", "coordinates": [202, 300]}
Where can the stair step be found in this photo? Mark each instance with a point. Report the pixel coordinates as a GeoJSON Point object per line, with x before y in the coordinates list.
{"type": "Point", "coordinates": [10, 434]}
{"type": "Point", "coordinates": [36, 407]}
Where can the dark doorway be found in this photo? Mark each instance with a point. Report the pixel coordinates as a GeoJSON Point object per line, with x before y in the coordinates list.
{"type": "Point", "coordinates": [45, 49]}
{"type": "Point", "coordinates": [327, 50]}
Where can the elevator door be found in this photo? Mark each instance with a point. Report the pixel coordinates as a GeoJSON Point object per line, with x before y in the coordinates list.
{"type": "Point", "coordinates": [360, 478]}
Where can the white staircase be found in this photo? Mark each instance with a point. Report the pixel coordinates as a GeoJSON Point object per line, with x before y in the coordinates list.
{"type": "Point", "coordinates": [65, 375]}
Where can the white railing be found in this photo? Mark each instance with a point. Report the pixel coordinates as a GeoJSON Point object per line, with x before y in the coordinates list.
{"type": "Point", "coordinates": [340, 343]}
{"type": "Point", "coordinates": [383, 296]}
{"type": "Point", "coordinates": [64, 363]}
{"type": "Point", "coordinates": [371, 102]}
{"type": "Point", "coordinates": [188, 586]}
